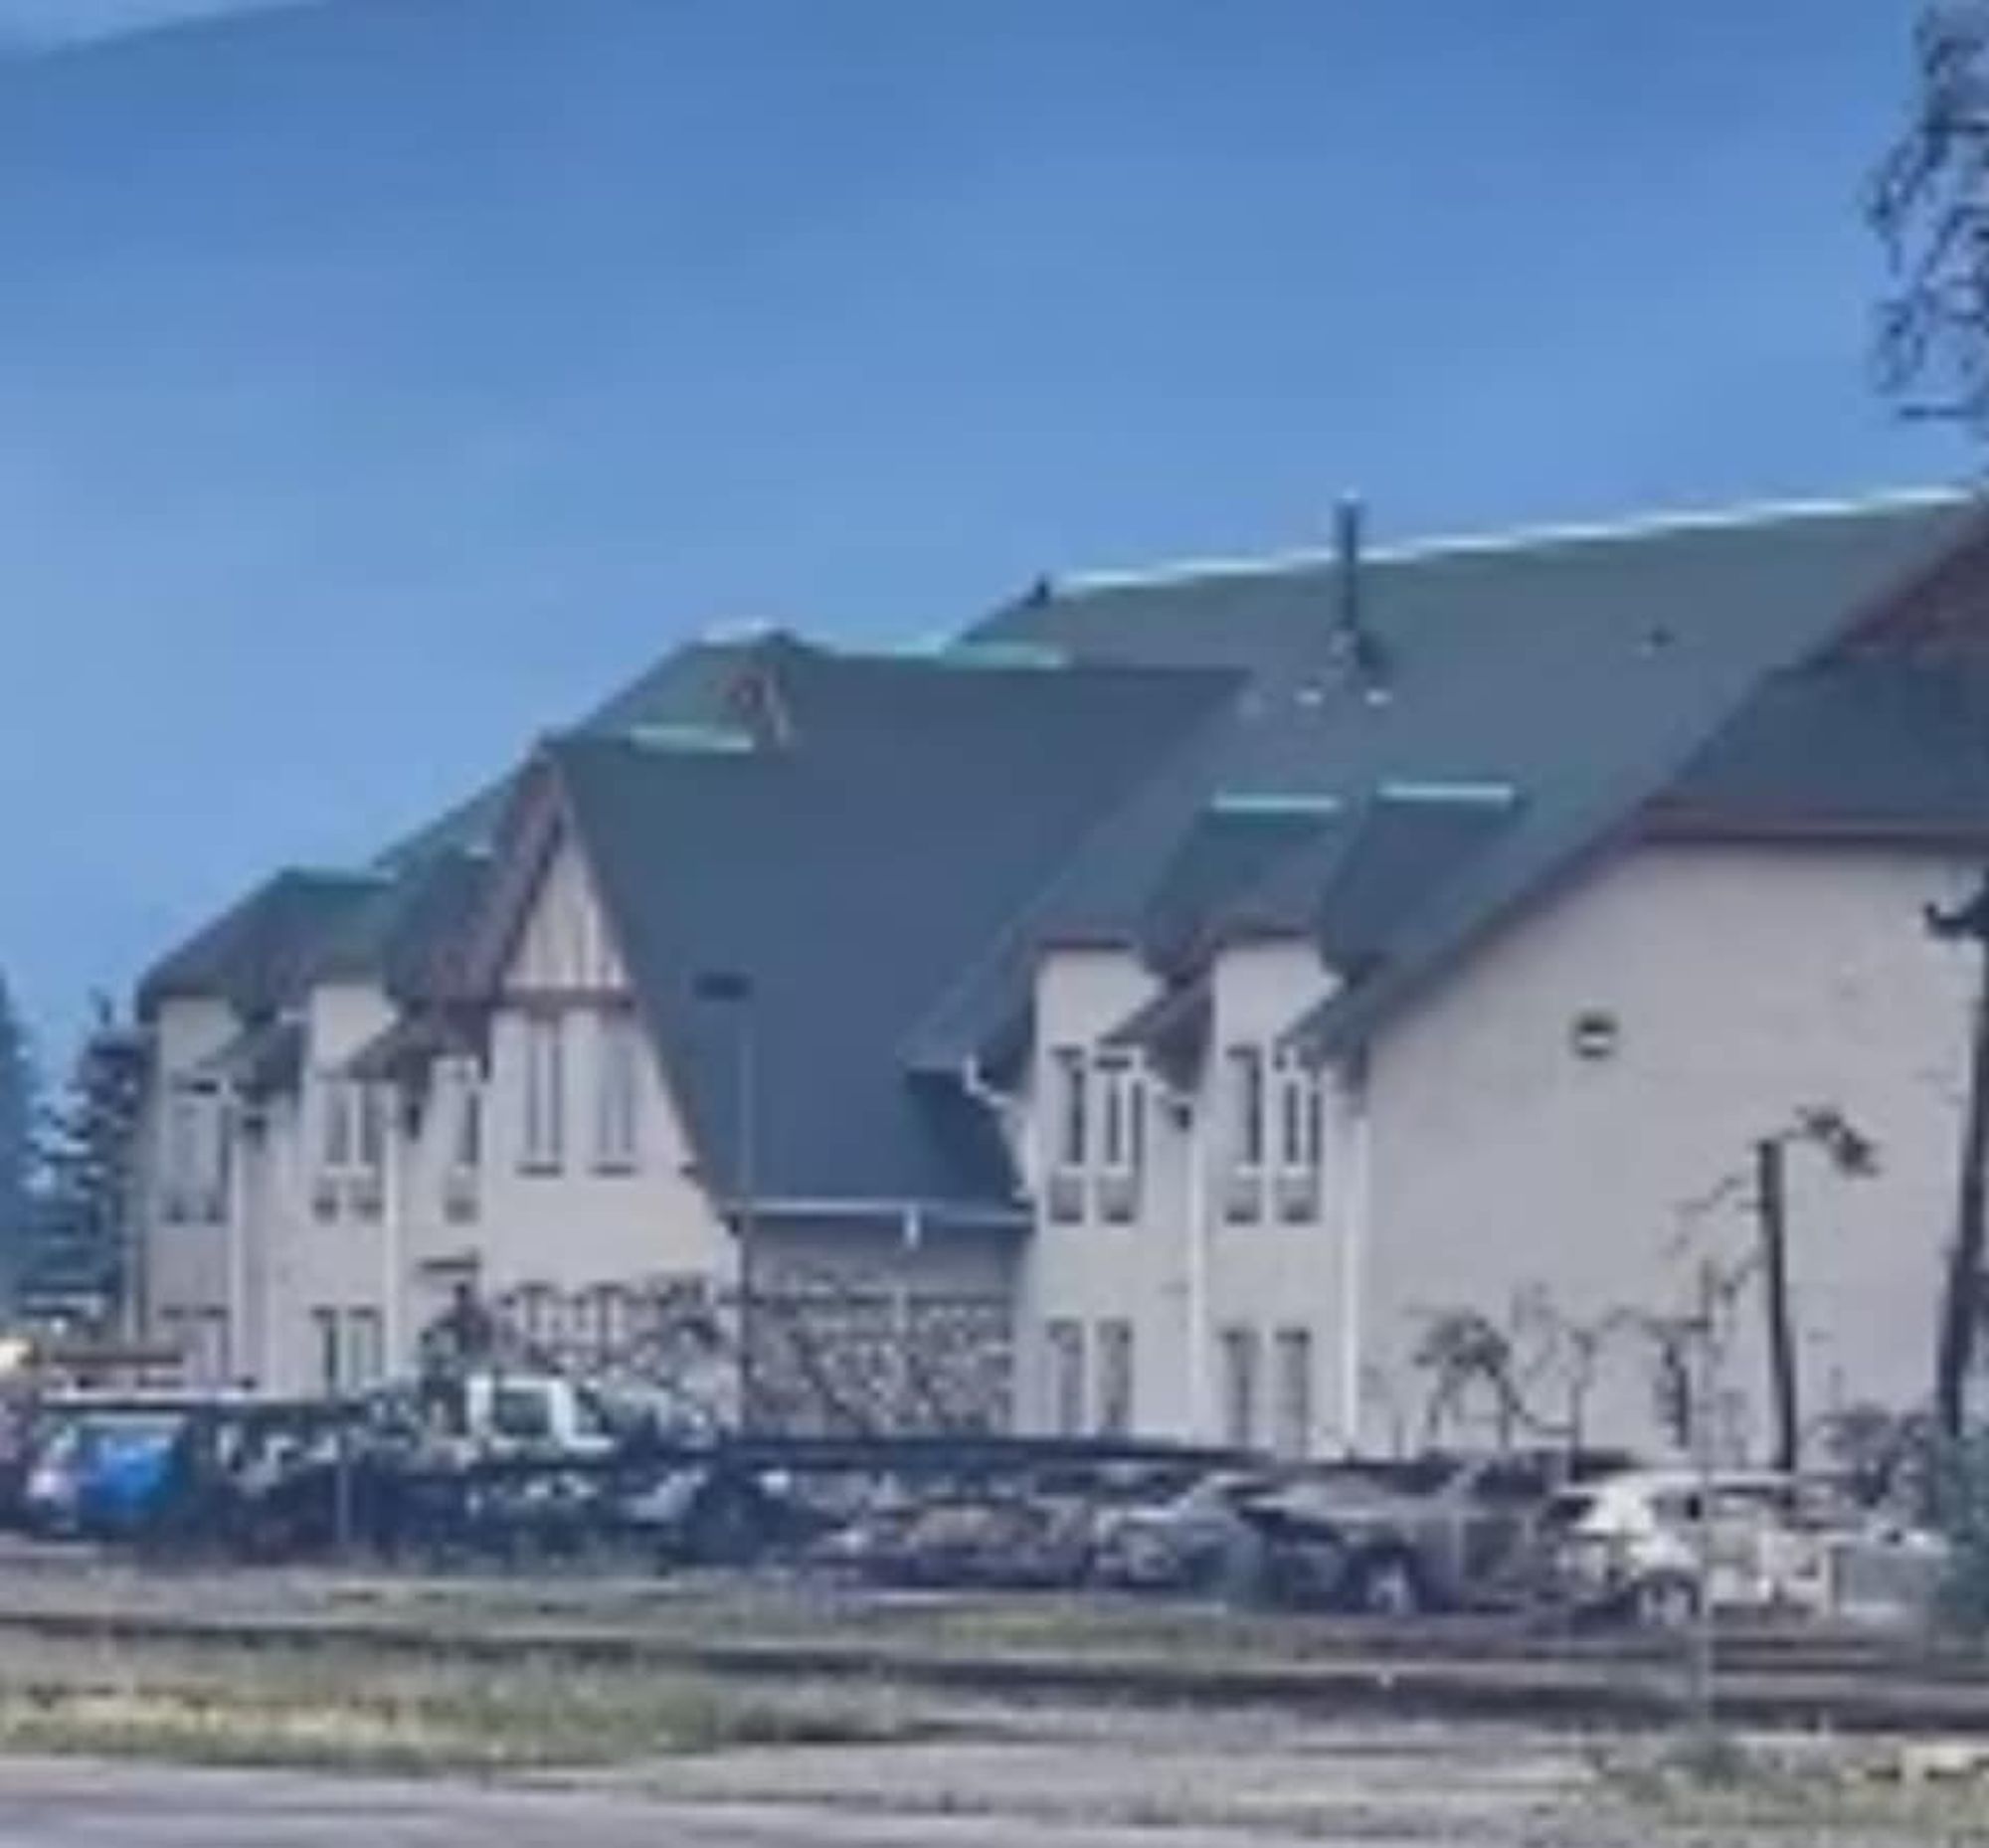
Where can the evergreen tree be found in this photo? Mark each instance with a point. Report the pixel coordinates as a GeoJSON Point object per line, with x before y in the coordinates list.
{"type": "Point", "coordinates": [79, 1255]}
{"type": "Point", "coordinates": [17, 1143]}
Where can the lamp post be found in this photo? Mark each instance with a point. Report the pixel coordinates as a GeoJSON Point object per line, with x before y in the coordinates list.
{"type": "Point", "coordinates": [733, 989]}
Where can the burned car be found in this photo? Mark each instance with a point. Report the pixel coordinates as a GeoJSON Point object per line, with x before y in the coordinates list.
{"type": "Point", "coordinates": [1390, 1539]}
{"type": "Point", "coordinates": [1202, 1538]}
{"type": "Point", "coordinates": [1009, 1538]}
{"type": "Point", "coordinates": [1645, 1545]}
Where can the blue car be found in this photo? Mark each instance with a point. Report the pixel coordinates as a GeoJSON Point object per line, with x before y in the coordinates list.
{"type": "Point", "coordinates": [105, 1474]}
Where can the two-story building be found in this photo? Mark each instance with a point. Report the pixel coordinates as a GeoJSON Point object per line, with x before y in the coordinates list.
{"type": "Point", "coordinates": [1159, 1012]}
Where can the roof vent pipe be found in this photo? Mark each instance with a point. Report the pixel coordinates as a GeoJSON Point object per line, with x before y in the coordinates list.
{"type": "Point", "coordinates": [1354, 646]}
{"type": "Point", "coordinates": [1347, 563]}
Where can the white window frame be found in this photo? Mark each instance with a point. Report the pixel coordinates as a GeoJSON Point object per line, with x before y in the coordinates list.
{"type": "Point", "coordinates": [213, 1345]}
{"type": "Point", "coordinates": [370, 1127]}
{"type": "Point", "coordinates": [1299, 1091]}
{"type": "Point", "coordinates": [466, 1144]}
{"type": "Point", "coordinates": [1246, 1115]}
{"type": "Point", "coordinates": [1069, 1131]}
{"type": "Point", "coordinates": [542, 1095]}
{"type": "Point", "coordinates": [1063, 1343]}
{"type": "Point", "coordinates": [1071, 1120]}
{"type": "Point", "coordinates": [330, 1339]}
{"type": "Point", "coordinates": [180, 1155]}
{"type": "Point", "coordinates": [1120, 1083]}
{"type": "Point", "coordinates": [362, 1349]}
{"type": "Point", "coordinates": [1116, 1360]}
{"type": "Point", "coordinates": [1240, 1353]}
{"type": "Point", "coordinates": [1294, 1379]}
{"type": "Point", "coordinates": [618, 1092]}
{"type": "Point", "coordinates": [338, 1124]}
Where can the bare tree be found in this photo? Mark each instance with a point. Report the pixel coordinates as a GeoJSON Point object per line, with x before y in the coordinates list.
{"type": "Point", "coordinates": [1930, 202]}
{"type": "Point", "coordinates": [1466, 1355]}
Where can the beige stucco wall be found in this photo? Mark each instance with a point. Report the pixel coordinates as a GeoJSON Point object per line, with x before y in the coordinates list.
{"type": "Point", "coordinates": [580, 1227]}
{"type": "Point", "coordinates": [186, 1263]}
{"type": "Point", "coordinates": [1088, 1270]}
{"type": "Point", "coordinates": [305, 1262]}
{"type": "Point", "coordinates": [276, 1260]}
{"type": "Point", "coordinates": [1748, 981]}
{"type": "Point", "coordinates": [566, 944]}
{"type": "Point", "coordinates": [1180, 1272]}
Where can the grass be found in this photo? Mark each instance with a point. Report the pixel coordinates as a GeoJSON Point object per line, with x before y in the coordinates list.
{"type": "Point", "coordinates": [1796, 1791]}
{"type": "Point", "coordinates": [340, 1708]}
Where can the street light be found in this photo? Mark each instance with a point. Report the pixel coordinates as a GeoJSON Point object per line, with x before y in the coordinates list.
{"type": "Point", "coordinates": [733, 989]}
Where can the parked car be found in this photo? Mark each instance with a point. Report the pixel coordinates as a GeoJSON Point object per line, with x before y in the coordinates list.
{"type": "Point", "coordinates": [104, 1474]}
{"type": "Point", "coordinates": [1199, 1539]}
{"type": "Point", "coordinates": [1010, 1538]}
{"type": "Point", "coordinates": [1392, 1538]}
{"type": "Point", "coordinates": [1631, 1545]}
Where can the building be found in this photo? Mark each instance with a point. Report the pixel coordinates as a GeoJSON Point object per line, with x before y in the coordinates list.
{"type": "Point", "coordinates": [1158, 1011]}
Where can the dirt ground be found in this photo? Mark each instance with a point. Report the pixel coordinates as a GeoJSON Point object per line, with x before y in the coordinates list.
{"type": "Point", "coordinates": [1089, 1781]}
{"type": "Point", "coordinates": [109, 1738]}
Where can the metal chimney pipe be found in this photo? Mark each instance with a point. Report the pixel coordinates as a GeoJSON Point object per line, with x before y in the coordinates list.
{"type": "Point", "coordinates": [1347, 562]}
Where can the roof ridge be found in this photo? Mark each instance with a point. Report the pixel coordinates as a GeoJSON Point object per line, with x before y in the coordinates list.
{"type": "Point", "coordinates": [1544, 537]}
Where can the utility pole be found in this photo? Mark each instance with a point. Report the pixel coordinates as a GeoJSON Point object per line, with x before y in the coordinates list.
{"type": "Point", "coordinates": [1771, 1208]}
{"type": "Point", "coordinates": [1960, 1304]}
{"type": "Point", "coordinates": [1705, 1387]}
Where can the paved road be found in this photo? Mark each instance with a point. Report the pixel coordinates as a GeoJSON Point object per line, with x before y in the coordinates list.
{"type": "Point", "coordinates": [76, 1804]}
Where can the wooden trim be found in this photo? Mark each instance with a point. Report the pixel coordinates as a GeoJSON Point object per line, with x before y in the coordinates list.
{"type": "Point", "coordinates": [542, 1001]}
{"type": "Point", "coordinates": [1666, 821]}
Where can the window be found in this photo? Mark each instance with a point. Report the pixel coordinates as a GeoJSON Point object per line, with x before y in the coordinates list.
{"type": "Point", "coordinates": [1247, 1091]}
{"type": "Point", "coordinates": [535, 1312]}
{"type": "Point", "coordinates": [613, 1309]}
{"type": "Point", "coordinates": [220, 1154]}
{"type": "Point", "coordinates": [1066, 1378]}
{"type": "Point", "coordinates": [1239, 1387]}
{"type": "Point", "coordinates": [618, 1092]}
{"type": "Point", "coordinates": [210, 1356]}
{"type": "Point", "coordinates": [196, 1156]}
{"type": "Point", "coordinates": [339, 1141]}
{"type": "Point", "coordinates": [181, 1156]}
{"type": "Point", "coordinates": [544, 1144]}
{"type": "Point", "coordinates": [1122, 1136]}
{"type": "Point", "coordinates": [1294, 1432]}
{"type": "Point", "coordinates": [365, 1189]}
{"type": "Point", "coordinates": [1073, 1146]}
{"type": "Point", "coordinates": [1300, 1136]}
{"type": "Point", "coordinates": [1115, 1379]}
{"type": "Point", "coordinates": [1070, 1133]}
{"type": "Point", "coordinates": [1243, 1196]}
{"type": "Point", "coordinates": [324, 1324]}
{"type": "Point", "coordinates": [365, 1348]}
{"type": "Point", "coordinates": [369, 1110]}
{"type": "Point", "coordinates": [1298, 1115]}
{"type": "Point", "coordinates": [467, 1156]}
{"type": "Point", "coordinates": [1120, 1127]}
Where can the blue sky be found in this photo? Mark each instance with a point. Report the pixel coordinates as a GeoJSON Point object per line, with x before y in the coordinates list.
{"type": "Point", "coordinates": [381, 380]}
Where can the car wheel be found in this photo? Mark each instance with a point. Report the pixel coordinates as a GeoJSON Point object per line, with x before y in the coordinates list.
{"type": "Point", "coordinates": [1386, 1584]}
